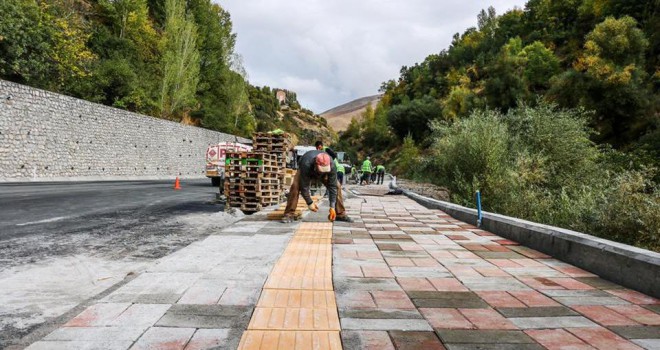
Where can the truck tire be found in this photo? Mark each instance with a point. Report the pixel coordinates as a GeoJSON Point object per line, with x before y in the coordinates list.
{"type": "Point", "coordinates": [215, 181]}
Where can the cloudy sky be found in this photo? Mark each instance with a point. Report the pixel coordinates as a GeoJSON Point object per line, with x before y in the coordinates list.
{"type": "Point", "coordinates": [333, 51]}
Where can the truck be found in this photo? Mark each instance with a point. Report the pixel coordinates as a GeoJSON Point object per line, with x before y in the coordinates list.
{"type": "Point", "coordinates": [215, 159]}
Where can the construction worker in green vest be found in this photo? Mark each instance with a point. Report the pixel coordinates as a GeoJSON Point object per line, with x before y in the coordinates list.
{"type": "Point", "coordinates": [340, 171]}
{"type": "Point", "coordinates": [366, 171]}
{"type": "Point", "coordinates": [380, 171]}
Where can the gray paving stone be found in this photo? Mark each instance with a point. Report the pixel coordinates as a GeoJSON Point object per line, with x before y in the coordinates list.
{"type": "Point", "coordinates": [96, 334]}
{"type": "Point", "coordinates": [467, 300]}
{"type": "Point", "coordinates": [206, 316]}
{"type": "Point", "coordinates": [498, 255]}
{"type": "Point", "coordinates": [494, 347]}
{"type": "Point", "coordinates": [389, 246]}
{"type": "Point", "coordinates": [637, 332]}
{"type": "Point", "coordinates": [575, 293]}
{"type": "Point", "coordinates": [648, 344]}
{"type": "Point", "coordinates": [462, 336]}
{"type": "Point", "coordinates": [375, 324]}
{"type": "Point", "coordinates": [78, 344]}
{"type": "Point", "coordinates": [590, 301]}
{"type": "Point", "coordinates": [493, 284]}
{"type": "Point", "coordinates": [347, 284]}
{"type": "Point", "coordinates": [415, 271]}
{"type": "Point", "coordinates": [552, 322]}
{"type": "Point", "coordinates": [381, 314]}
{"type": "Point", "coordinates": [552, 311]}
{"type": "Point", "coordinates": [405, 254]}
{"type": "Point", "coordinates": [157, 298]}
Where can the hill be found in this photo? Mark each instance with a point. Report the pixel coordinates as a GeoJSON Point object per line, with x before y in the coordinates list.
{"type": "Point", "coordinates": [339, 117]}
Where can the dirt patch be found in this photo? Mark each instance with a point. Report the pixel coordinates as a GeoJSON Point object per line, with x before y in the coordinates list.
{"type": "Point", "coordinates": [425, 189]}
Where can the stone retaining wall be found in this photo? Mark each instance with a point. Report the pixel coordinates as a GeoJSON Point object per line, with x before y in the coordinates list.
{"type": "Point", "coordinates": [45, 136]}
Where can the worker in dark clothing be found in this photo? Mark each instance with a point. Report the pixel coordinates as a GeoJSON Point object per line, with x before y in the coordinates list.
{"type": "Point", "coordinates": [316, 165]}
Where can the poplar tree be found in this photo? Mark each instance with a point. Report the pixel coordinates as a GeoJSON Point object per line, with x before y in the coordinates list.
{"type": "Point", "coordinates": [180, 62]}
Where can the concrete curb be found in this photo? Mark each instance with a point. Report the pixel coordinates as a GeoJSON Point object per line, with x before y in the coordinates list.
{"type": "Point", "coordinates": [632, 267]}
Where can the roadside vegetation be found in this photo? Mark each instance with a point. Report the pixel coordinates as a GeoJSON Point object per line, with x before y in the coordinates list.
{"type": "Point", "coordinates": [171, 59]}
{"type": "Point", "coordinates": [551, 111]}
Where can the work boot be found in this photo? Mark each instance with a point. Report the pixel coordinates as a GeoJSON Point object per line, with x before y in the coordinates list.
{"type": "Point", "coordinates": [344, 218]}
{"type": "Point", "coordinates": [287, 219]}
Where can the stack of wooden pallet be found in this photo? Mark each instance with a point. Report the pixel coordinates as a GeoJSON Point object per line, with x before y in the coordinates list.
{"type": "Point", "coordinates": [300, 208]}
{"type": "Point", "coordinates": [252, 180]}
{"type": "Point", "coordinates": [276, 144]}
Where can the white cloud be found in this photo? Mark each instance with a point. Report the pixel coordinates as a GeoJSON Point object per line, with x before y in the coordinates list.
{"type": "Point", "coordinates": [331, 52]}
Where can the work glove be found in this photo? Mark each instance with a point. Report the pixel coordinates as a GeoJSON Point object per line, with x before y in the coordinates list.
{"type": "Point", "coordinates": [333, 215]}
{"type": "Point", "coordinates": [313, 207]}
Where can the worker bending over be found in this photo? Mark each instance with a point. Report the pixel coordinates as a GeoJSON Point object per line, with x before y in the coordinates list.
{"type": "Point", "coordinates": [366, 171]}
{"type": "Point", "coordinates": [380, 171]}
{"type": "Point", "coordinates": [316, 165]}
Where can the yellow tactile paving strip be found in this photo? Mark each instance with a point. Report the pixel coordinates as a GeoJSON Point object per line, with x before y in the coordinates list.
{"type": "Point", "coordinates": [297, 308]}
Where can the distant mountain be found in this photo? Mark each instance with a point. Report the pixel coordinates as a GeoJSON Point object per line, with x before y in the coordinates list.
{"type": "Point", "coordinates": [340, 117]}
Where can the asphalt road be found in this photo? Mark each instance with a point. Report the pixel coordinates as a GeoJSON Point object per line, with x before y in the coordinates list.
{"type": "Point", "coordinates": [29, 208]}
{"type": "Point", "coordinates": [62, 243]}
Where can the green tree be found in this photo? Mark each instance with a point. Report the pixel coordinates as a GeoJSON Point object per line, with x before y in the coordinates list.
{"type": "Point", "coordinates": [541, 65]}
{"type": "Point", "coordinates": [180, 62]}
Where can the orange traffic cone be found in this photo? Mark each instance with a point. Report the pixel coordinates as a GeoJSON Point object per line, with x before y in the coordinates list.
{"type": "Point", "coordinates": [177, 185]}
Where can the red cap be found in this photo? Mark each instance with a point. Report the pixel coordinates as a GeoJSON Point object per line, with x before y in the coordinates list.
{"type": "Point", "coordinates": [323, 163]}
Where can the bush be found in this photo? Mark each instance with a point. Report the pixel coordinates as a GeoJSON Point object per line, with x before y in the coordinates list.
{"type": "Point", "coordinates": [538, 163]}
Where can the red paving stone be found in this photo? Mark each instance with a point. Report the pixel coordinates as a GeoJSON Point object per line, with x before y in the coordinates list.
{"type": "Point", "coordinates": [392, 300]}
{"type": "Point", "coordinates": [447, 285]}
{"type": "Point", "coordinates": [500, 299]}
{"type": "Point", "coordinates": [634, 297]}
{"type": "Point", "coordinates": [638, 314]}
{"type": "Point", "coordinates": [446, 318]}
{"type": "Point", "coordinates": [558, 339]}
{"type": "Point", "coordinates": [487, 319]}
{"type": "Point", "coordinates": [533, 298]}
{"type": "Point", "coordinates": [605, 316]}
{"type": "Point", "coordinates": [602, 339]}
{"type": "Point", "coordinates": [415, 284]}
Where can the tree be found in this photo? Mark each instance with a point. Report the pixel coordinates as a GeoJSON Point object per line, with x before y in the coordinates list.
{"type": "Point", "coordinates": [541, 65]}
{"type": "Point", "coordinates": [180, 62]}
{"type": "Point", "coordinates": [613, 65]}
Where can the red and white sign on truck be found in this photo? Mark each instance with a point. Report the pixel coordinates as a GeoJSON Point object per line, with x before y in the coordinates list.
{"type": "Point", "coordinates": [215, 159]}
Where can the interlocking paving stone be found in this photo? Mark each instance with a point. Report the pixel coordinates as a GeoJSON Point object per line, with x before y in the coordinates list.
{"type": "Point", "coordinates": [483, 336]}
{"type": "Point", "coordinates": [599, 283]}
{"type": "Point", "coordinates": [206, 316]}
{"type": "Point", "coordinates": [164, 338]}
{"type": "Point", "coordinates": [637, 332]}
{"type": "Point", "coordinates": [551, 322]}
{"type": "Point", "coordinates": [590, 301]}
{"type": "Point", "coordinates": [377, 340]}
{"type": "Point", "coordinates": [208, 338]}
{"type": "Point", "coordinates": [385, 324]}
{"type": "Point", "coordinates": [416, 340]}
{"type": "Point", "coordinates": [293, 340]}
{"type": "Point", "coordinates": [96, 334]}
{"type": "Point", "coordinates": [650, 344]}
{"type": "Point", "coordinates": [494, 347]}
{"type": "Point", "coordinates": [381, 313]}
{"type": "Point", "coordinates": [552, 311]}
{"type": "Point", "coordinates": [80, 344]}
{"type": "Point", "coordinates": [446, 299]}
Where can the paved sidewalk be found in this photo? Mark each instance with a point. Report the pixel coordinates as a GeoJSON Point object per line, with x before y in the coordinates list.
{"type": "Point", "coordinates": [404, 277]}
{"type": "Point", "coordinates": [408, 277]}
{"type": "Point", "coordinates": [200, 297]}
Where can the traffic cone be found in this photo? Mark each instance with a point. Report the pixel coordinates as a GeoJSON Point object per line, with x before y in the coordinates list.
{"type": "Point", "coordinates": [177, 185]}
